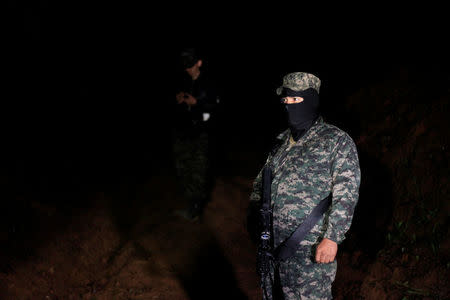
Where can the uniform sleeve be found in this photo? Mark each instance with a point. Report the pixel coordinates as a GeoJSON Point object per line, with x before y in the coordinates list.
{"type": "Point", "coordinates": [252, 221]}
{"type": "Point", "coordinates": [255, 196]}
{"type": "Point", "coordinates": [346, 178]}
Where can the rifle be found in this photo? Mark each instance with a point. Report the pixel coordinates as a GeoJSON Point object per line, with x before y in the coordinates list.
{"type": "Point", "coordinates": [266, 241]}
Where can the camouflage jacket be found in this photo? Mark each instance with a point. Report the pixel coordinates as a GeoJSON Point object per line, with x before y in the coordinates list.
{"type": "Point", "coordinates": [323, 160]}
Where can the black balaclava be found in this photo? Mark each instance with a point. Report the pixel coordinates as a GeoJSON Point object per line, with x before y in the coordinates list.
{"type": "Point", "coordinates": [301, 116]}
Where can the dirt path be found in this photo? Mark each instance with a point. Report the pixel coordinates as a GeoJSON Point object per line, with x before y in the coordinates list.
{"type": "Point", "coordinates": [129, 247]}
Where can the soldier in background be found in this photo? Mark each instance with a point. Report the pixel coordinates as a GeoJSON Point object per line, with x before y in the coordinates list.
{"type": "Point", "coordinates": [313, 159]}
{"type": "Point", "coordinates": [195, 104]}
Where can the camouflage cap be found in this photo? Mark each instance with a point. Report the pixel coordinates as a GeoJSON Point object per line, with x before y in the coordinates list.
{"type": "Point", "coordinates": [299, 81]}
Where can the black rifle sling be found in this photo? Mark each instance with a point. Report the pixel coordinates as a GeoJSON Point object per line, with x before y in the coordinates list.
{"type": "Point", "coordinates": [265, 246]}
{"type": "Point", "coordinates": [266, 184]}
{"type": "Point", "coordinates": [266, 209]}
{"type": "Point", "coordinates": [288, 247]}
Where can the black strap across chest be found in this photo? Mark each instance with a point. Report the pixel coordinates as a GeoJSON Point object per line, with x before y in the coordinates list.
{"type": "Point", "coordinates": [289, 246]}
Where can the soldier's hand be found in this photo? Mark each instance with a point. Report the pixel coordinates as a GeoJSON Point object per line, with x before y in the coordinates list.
{"type": "Point", "coordinates": [189, 99]}
{"type": "Point", "coordinates": [326, 251]}
{"type": "Point", "coordinates": [180, 97]}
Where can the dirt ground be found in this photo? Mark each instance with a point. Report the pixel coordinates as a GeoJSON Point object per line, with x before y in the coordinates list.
{"type": "Point", "coordinates": [145, 252]}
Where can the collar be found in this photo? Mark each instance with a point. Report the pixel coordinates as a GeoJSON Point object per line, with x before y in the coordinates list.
{"type": "Point", "coordinates": [307, 135]}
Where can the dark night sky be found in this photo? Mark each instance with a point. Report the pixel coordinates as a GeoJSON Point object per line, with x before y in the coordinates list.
{"type": "Point", "coordinates": [101, 74]}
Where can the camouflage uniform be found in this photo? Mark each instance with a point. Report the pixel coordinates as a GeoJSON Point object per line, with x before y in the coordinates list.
{"type": "Point", "coordinates": [191, 165]}
{"type": "Point", "coordinates": [324, 160]}
{"type": "Point", "coordinates": [191, 142]}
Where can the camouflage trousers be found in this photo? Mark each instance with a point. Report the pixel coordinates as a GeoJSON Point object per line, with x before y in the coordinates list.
{"type": "Point", "coordinates": [190, 157]}
{"type": "Point", "coordinates": [301, 279]}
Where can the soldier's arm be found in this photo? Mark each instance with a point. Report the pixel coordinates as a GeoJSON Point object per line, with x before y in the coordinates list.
{"type": "Point", "coordinates": [253, 209]}
{"type": "Point", "coordinates": [346, 177]}
{"type": "Point", "coordinates": [255, 204]}
{"type": "Point", "coordinates": [255, 196]}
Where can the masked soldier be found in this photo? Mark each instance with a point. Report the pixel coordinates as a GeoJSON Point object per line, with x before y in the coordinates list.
{"type": "Point", "coordinates": [314, 161]}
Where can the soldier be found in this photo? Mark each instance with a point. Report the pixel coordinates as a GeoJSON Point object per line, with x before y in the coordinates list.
{"type": "Point", "coordinates": [313, 159]}
{"type": "Point", "coordinates": [195, 104]}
